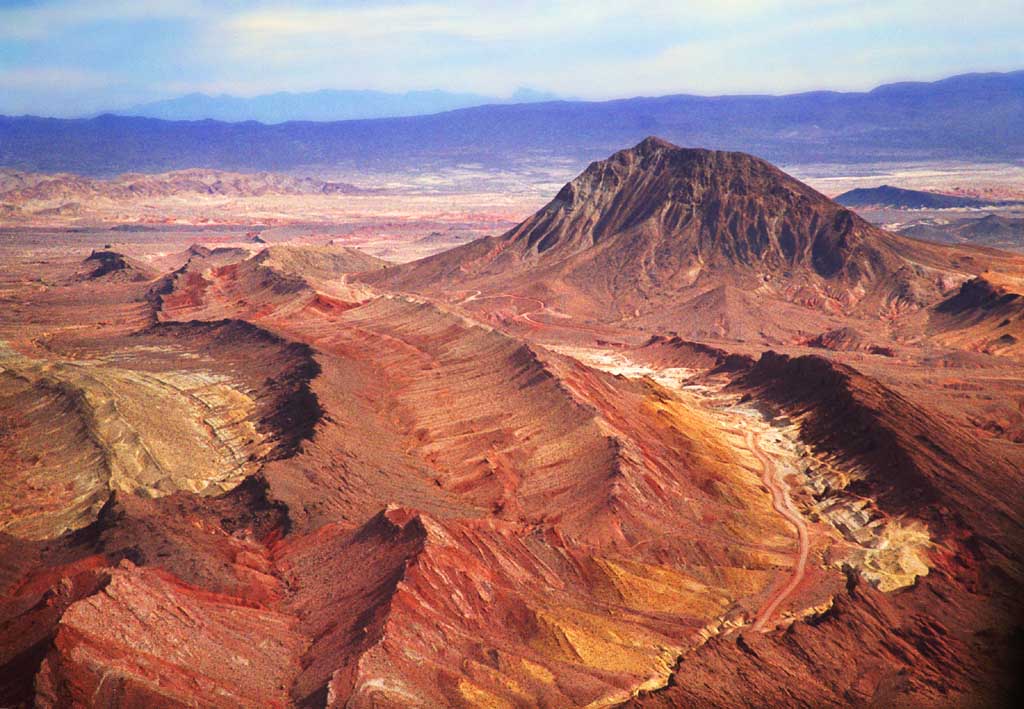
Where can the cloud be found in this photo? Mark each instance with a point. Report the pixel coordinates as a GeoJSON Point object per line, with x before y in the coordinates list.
{"type": "Point", "coordinates": [62, 78]}
{"type": "Point", "coordinates": [590, 48]}
{"type": "Point", "coordinates": [41, 20]}
{"type": "Point", "coordinates": [452, 21]}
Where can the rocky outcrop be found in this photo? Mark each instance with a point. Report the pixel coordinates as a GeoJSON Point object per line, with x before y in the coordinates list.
{"type": "Point", "coordinates": [147, 639]}
{"type": "Point", "coordinates": [318, 263]}
{"type": "Point", "coordinates": [848, 339]}
{"type": "Point", "coordinates": [112, 265]}
{"type": "Point", "coordinates": [910, 460]}
{"type": "Point", "coordinates": [152, 430]}
{"type": "Point", "coordinates": [983, 315]}
{"type": "Point", "coordinates": [232, 283]}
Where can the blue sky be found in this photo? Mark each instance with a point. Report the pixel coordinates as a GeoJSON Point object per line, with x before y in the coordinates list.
{"type": "Point", "coordinates": [74, 57]}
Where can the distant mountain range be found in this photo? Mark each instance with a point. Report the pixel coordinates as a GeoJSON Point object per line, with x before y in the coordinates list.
{"type": "Point", "coordinates": [968, 117]}
{"type": "Point", "coordinates": [991, 230]}
{"type": "Point", "coordinates": [899, 198]}
{"type": "Point", "coordinates": [325, 105]}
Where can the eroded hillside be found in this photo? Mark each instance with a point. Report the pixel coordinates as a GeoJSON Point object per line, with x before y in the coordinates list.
{"type": "Point", "coordinates": [279, 476]}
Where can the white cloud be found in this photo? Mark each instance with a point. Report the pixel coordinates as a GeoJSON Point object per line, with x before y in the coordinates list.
{"type": "Point", "coordinates": [62, 78]}
{"type": "Point", "coordinates": [589, 48]}
{"type": "Point", "coordinates": [467, 21]}
{"type": "Point", "coordinates": [43, 20]}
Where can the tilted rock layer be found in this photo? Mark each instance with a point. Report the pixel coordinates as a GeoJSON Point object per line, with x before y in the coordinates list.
{"type": "Point", "coordinates": [282, 478]}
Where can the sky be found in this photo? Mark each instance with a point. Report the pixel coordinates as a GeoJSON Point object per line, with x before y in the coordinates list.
{"type": "Point", "coordinates": [78, 57]}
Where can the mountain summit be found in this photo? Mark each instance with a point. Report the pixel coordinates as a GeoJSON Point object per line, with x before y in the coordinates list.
{"type": "Point", "coordinates": [665, 211]}
{"type": "Point", "coordinates": [657, 228]}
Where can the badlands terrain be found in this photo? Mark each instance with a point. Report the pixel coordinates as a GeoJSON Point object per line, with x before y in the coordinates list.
{"type": "Point", "coordinates": [681, 432]}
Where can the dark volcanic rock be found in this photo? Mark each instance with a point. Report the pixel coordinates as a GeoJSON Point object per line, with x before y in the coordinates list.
{"type": "Point", "coordinates": [113, 265]}
{"type": "Point", "coordinates": [657, 227]}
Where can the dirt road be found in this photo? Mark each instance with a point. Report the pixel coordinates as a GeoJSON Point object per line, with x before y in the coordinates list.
{"type": "Point", "coordinates": [784, 506]}
{"type": "Point", "coordinates": [527, 316]}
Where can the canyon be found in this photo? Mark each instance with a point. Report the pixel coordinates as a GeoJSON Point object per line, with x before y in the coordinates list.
{"type": "Point", "coordinates": [691, 434]}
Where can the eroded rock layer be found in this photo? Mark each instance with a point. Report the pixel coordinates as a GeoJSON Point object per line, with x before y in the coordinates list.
{"type": "Point", "coordinates": [261, 481]}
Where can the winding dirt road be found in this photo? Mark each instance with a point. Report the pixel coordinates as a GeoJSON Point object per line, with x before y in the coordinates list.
{"type": "Point", "coordinates": [784, 506]}
{"type": "Point", "coordinates": [526, 317]}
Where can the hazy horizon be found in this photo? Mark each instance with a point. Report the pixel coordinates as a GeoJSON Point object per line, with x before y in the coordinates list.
{"type": "Point", "coordinates": [72, 58]}
{"type": "Point", "coordinates": [510, 97]}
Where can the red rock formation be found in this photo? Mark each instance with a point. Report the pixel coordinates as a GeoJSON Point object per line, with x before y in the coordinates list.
{"type": "Point", "coordinates": [826, 661]}
{"type": "Point", "coordinates": [917, 463]}
{"type": "Point", "coordinates": [418, 502]}
{"type": "Point", "coordinates": [147, 639]}
{"type": "Point", "coordinates": [469, 612]}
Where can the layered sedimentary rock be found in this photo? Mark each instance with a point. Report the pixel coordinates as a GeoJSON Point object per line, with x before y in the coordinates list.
{"type": "Point", "coordinates": [135, 643]}
{"type": "Point", "coordinates": [143, 424]}
{"type": "Point", "coordinates": [295, 483]}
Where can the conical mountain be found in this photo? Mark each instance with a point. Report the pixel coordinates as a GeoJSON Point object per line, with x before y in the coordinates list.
{"type": "Point", "coordinates": [656, 224]}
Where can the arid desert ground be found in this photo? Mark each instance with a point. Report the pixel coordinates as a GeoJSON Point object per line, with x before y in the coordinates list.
{"type": "Point", "coordinates": [673, 434]}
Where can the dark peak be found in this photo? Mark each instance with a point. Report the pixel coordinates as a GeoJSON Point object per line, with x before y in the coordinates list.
{"type": "Point", "coordinates": [105, 255]}
{"type": "Point", "coordinates": [106, 261]}
{"type": "Point", "coordinates": [395, 523]}
{"type": "Point", "coordinates": [978, 293]}
{"type": "Point", "coordinates": [99, 264]}
{"type": "Point", "coordinates": [400, 516]}
{"type": "Point", "coordinates": [653, 146]}
{"type": "Point", "coordinates": [655, 172]}
{"type": "Point", "coordinates": [653, 143]}
{"type": "Point", "coordinates": [687, 206]}
{"type": "Point", "coordinates": [900, 197]}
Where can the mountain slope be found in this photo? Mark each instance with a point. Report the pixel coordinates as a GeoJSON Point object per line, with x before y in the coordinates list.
{"type": "Point", "coordinates": [656, 225]}
{"type": "Point", "coordinates": [408, 507]}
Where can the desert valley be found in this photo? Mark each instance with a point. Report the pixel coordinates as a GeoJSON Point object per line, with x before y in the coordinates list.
{"type": "Point", "coordinates": [690, 420]}
{"type": "Point", "coordinates": [407, 354]}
